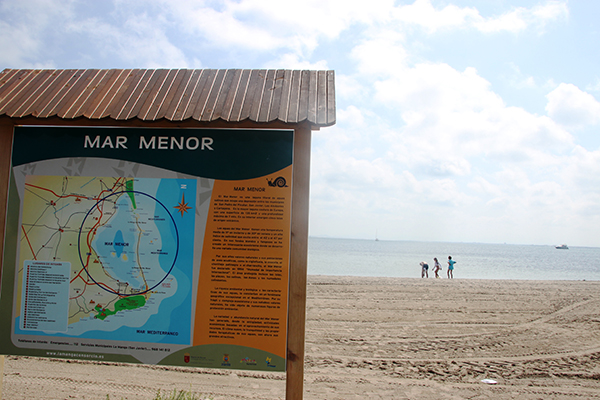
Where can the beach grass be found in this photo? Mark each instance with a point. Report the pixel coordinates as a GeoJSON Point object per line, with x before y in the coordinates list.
{"type": "Point", "coordinates": [181, 395]}
{"type": "Point", "coordinates": [177, 395]}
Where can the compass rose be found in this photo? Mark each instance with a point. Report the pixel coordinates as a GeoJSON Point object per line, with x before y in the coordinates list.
{"type": "Point", "coordinates": [182, 207]}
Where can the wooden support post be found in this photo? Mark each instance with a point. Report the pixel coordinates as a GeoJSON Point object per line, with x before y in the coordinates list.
{"type": "Point", "coordinates": [6, 137]}
{"type": "Point", "coordinates": [298, 265]}
{"type": "Point", "coordinates": [1, 373]}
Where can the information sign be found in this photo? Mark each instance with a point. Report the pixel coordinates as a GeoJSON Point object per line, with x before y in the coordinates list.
{"type": "Point", "coordinates": [160, 246]}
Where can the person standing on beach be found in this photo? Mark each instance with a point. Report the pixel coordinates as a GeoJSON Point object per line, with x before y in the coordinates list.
{"type": "Point", "coordinates": [424, 269]}
{"type": "Point", "coordinates": [436, 267]}
{"type": "Point", "coordinates": [451, 263]}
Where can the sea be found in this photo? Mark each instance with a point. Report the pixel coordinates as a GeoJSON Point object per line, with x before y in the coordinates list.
{"type": "Point", "coordinates": [383, 258]}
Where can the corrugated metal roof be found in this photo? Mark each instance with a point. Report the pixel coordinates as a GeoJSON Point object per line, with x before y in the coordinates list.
{"type": "Point", "coordinates": [232, 95]}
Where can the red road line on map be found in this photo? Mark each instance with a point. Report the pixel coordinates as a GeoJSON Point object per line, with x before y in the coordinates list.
{"type": "Point", "coordinates": [88, 253]}
{"type": "Point", "coordinates": [57, 195]}
{"type": "Point", "coordinates": [78, 275]}
{"type": "Point", "coordinates": [29, 243]}
{"type": "Point", "coordinates": [92, 284]}
{"type": "Point", "coordinates": [117, 182]}
{"type": "Point", "coordinates": [89, 246]}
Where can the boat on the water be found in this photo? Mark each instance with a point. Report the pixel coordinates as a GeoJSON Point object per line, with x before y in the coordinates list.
{"type": "Point", "coordinates": [562, 247]}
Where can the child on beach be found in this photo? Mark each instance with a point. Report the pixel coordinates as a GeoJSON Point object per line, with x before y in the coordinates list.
{"type": "Point", "coordinates": [436, 267]}
{"type": "Point", "coordinates": [451, 263]}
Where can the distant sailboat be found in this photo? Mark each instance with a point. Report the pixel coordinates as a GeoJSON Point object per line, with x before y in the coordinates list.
{"type": "Point", "coordinates": [376, 238]}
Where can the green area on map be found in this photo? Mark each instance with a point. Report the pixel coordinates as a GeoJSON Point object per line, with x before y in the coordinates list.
{"type": "Point", "coordinates": [127, 303]}
{"type": "Point", "coordinates": [129, 187]}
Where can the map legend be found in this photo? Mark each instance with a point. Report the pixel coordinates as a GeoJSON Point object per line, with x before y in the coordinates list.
{"type": "Point", "coordinates": [45, 296]}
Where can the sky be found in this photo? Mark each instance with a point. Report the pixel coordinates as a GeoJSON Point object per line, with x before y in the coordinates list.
{"type": "Point", "coordinates": [457, 120]}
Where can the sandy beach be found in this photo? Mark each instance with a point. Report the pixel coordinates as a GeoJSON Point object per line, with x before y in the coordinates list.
{"type": "Point", "coordinates": [385, 338]}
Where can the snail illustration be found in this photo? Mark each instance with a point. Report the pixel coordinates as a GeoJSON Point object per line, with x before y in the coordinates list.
{"type": "Point", "coordinates": [278, 182]}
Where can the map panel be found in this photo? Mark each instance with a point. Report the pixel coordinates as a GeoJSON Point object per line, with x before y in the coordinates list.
{"type": "Point", "coordinates": [129, 244]}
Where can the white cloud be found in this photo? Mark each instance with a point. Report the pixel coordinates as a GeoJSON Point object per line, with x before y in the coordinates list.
{"type": "Point", "coordinates": [430, 86]}
{"type": "Point", "coordinates": [582, 172]}
{"type": "Point", "coordinates": [349, 87]}
{"type": "Point", "coordinates": [18, 45]}
{"type": "Point", "coordinates": [49, 29]}
{"type": "Point", "coordinates": [24, 29]}
{"type": "Point", "coordinates": [522, 18]}
{"type": "Point", "coordinates": [352, 116]}
{"type": "Point", "coordinates": [458, 113]}
{"type": "Point", "coordinates": [570, 106]}
{"type": "Point", "coordinates": [518, 80]}
{"type": "Point", "coordinates": [423, 14]}
{"type": "Point", "coordinates": [592, 87]}
{"type": "Point", "coordinates": [483, 186]}
{"type": "Point", "coordinates": [328, 18]}
{"type": "Point", "coordinates": [293, 61]}
{"type": "Point", "coordinates": [511, 22]}
{"type": "Point", "coordinates": [550, 11]}
{"type": "Point", "coordinates": [451, 115]}
{"type": "Point", "coordinates": [226, 28]}
{"type": "Point", "coordinates": [382, 54]}
{"type": "Point", "coordinates": [139, 40]}
{"type": "Point", "coordinates": [265, 25]}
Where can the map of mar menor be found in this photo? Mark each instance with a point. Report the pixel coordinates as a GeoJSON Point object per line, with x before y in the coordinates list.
{"type": "Point", "coordinates": [106, 258]}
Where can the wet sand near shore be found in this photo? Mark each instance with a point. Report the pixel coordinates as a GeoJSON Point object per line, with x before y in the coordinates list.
{"type": "Point", "coordinates": [385, 338]}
